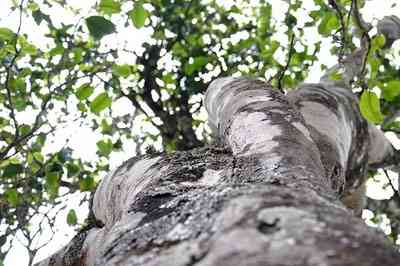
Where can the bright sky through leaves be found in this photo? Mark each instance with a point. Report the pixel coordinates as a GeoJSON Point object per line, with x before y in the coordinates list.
{"type": "Point", "coordinates": [81, 137]}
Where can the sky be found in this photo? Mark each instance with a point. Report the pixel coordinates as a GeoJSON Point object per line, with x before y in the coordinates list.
{"type": "Point", "coordinates": [83, 139]}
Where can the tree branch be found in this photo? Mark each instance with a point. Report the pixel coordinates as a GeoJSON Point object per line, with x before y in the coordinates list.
{"type": "Point", "coordinates": [342, 29]}
{"type": "Point", "coordinates": [364, 27]}
{"type": "Point", "coordinates": [285, 68]}
{"type": "Point", "coordinates": [8, 75]}
{"type": "Point", "coordinates": [396, 193]}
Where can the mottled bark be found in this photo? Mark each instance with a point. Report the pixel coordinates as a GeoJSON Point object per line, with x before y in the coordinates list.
{"type": "Point", "coordinates": [269, 196]}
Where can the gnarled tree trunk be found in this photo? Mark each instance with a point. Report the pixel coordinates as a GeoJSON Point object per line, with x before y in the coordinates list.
{"type": "Point", "coordinates": [269, 196]}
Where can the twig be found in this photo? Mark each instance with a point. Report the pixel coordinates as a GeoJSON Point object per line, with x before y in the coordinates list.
{"type": "Point", "coordinates": [8, 75]}
{"type": "Point", "coordinates": [132, 97]}
{"type": "Point", "coordinates": [38, 120]}
{"type": "Point", "coordinates": [395, 191]}
{"type": "Point", "coordinates": [285, 68]}
{"type": "Point", "coordinates": [349, 14]}
{"type": "Point", "coordinates": [365, 38]}
{"type": "Point", "coordinates": [342, 29]}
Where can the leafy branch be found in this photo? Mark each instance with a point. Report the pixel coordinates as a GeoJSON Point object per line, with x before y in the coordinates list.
{"type": "Point", "coordinates": [9, 69]}
{"type": "Point", "coordinates": [342, 29]}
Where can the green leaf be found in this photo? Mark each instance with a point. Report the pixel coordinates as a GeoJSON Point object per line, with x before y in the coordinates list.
{"type": "Point", "coordinates": [101, 102]}
{"type": "Point", "coordinates": [6, 34]}
{"type": "Point", "coordinates": [179, 50]}
{"type": "Point", "coordinates": [391, 90]}
{"type": "Point", "coordinates": [12, 197]}
{"type": "Point", "coordinates": [25, 129]}
{"type": "Point", "coordinates": [104, 147]}
{"type": "Point", "coordinates": [117, 145]}
{"type": "Point", "coordinates": [328, 23]}
{"type": "Point", "coordinates": [33, 6]}
{"type": "Point", "coordinates": [109, 7]}
{"type": "Point", "coordinates": [39, 16]}
{"type": "Point", "coordinates": [264, 19]}
{"type": "Point", "coordinates": [138, 15]}
{"type": "Point", "coordinates": [82, 107]}
{"type": "Point", "coordinates": [41, 139]}
{"type": "Point", "coordinates": [26, 46]}
{"type": "Point", "coordinates": [290, 20]}
{"type": "Point", "coordinates": [198, 63]}
{"type": "Point", "coordinates": [393, 126]}
{"type": "Point", "coordinates": [20, 84]}
{"type": "Point", "coordinates": [374, 64]}
{"type": "Point", "coordinates": [77, 55]}
{"type": "Point", "coordinates": [121, 70]}
{"type": "Point", "coordinates": [370, 107]}
{"type": "Point", "coordinates": [52, 182]}
{"type": "Point", "coordinates": [87, 184]}
{"type": "Point", "coordinates": [38, 157]}
{"type": "Point", "coordinates": [20, 104]}
{"type": "Point", "coordinates": [12, 170]}
{"type": "Point", "coordinates": [73, 169]}
{"type": "Point", "coordinates": [336, 75]}
{"type": "Point", "coordinates": [72, 219]}
{"type": "Point", "coordinates": [64, 155]}
{"type": "Point", "coordinates": [84, 91]}
{"type": "Point", "coordinates": [378, 42]}
{"type": "Point", "coordinates": [315, 14]}
{"type": "Point", "coordinates": [58, 50]}
{"type": "Point", "coordinates": [99, 27]}
{"type": "Point", "coordinates": [106, 128]}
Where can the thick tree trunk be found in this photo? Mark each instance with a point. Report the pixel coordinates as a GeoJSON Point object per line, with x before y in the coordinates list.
{"type": "Point", "coordinates": [269, 196]}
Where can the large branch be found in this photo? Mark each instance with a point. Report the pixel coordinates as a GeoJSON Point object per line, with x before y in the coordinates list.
{"type": "Point", "coordinates": [368, 143]}
{"type": "Point", "coordinates": [255, 120]}
{"type": "Point", "coordinates": [331, 114]}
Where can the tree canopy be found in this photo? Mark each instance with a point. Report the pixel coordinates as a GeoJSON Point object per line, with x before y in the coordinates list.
{"type": "Point", "coordinates": [134, 72]}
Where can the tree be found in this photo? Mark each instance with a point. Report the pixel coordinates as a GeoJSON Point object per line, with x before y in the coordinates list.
{"type": "Point", "coordinates": [198, 39]}
{"type": "Point", "coordinates": [271, 198]}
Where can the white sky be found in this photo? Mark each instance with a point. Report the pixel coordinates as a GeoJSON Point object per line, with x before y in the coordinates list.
{"type": "Point", "coordinates": [83, 139]}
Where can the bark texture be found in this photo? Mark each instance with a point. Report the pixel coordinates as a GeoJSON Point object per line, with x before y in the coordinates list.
{"type": "Point", "coordinates": [270, 196]}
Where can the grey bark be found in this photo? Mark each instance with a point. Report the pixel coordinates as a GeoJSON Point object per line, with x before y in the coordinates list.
{"type": "Point", "coordinates": [270, 195]}
{"type": "Point", "coordinates": [270, 198]}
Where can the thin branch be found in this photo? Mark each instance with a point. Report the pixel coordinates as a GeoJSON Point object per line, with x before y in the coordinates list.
{"type": "Point", "coordinates": [365, 38]}
{"type": "Point", "coordinates": [10, 69]}
{"type": "Point", "coordinates": [38, 123]}
{"type": "Point", "coordinates": [285, 68]}
{"type": "Point", "coordinates": [342, 29]}
{"type": "Point", "coordinates": [132, 97]}
{"type": "Point", "coordinates": [396, 193]}
{"type": "Point", "coordinates": [349, 14]}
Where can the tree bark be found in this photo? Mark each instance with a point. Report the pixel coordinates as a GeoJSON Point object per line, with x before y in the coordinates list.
{"type": "Point", "coordinates": [270, 195]}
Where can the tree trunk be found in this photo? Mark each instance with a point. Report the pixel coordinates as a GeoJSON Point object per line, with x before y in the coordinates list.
{"type": "Point", "coordinates": [270, 195]}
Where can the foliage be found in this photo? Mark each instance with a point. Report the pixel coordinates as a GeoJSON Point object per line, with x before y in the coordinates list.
{"type": "Point", "coordinates": [78, 78]}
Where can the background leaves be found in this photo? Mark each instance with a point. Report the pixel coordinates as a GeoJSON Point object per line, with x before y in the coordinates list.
{"type": "Point", "coordinates": [86, 75]}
